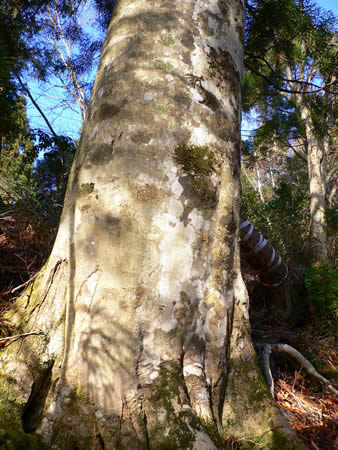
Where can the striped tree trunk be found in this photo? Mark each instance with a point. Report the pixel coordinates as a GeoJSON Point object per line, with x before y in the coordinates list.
{"type": "Point", "coordinates": [272, 272]}
{"type": "Point", "coordinates": [262, 256]}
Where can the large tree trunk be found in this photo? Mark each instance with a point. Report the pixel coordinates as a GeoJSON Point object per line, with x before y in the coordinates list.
{"type": "Point", "coordinates": [142, 306]}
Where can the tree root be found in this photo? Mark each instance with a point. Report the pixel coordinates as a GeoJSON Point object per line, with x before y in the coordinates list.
{"type": "Point", "coordinates": [264, 351]}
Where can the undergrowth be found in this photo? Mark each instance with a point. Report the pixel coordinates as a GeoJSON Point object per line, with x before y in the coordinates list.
{"type": "Point", "coordinates": [321, 282]}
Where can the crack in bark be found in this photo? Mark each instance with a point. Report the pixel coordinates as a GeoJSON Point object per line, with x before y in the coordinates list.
{"type": "Point", "coordinates": [29, 295]}
{"type": "Point", "coordinates": [145, 423]}
{"type": "Point", "coordinates": [48, 285]}
{"type": "Point", "coordinates": [118, 443]}
{"type": "Point", "coordinates": [224, 378]}
{"type": "Point", "coordinates": [140, 394]}
{"type": "Point", "coordinates": [84, 282]}
{"type": "Point", "coordinates": [67, 332]}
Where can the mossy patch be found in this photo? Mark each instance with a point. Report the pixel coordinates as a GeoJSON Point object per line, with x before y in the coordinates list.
{"type": "Point", "coordinates": [12, 405]}
{"type": "Point", "coordinates": [167, 40]}
{"type": "Point", "coordinates": [194, 159]}
{"type": "Point", "coordinates": [197, 161]}
{"type": "Point", "coordinates": [162, 65]}
{"type": "Point", "coordinates": [161, 109]}
{"type": "Point", "coordinates": [84, 208]}
{"type": "Point", "coordinates": [16, 439]}
{"type": "Point", "coordinates": [250, 421]}
{"type": "Point", "coordinates": [86, 188]}
{"type": "Point", "coordinates": [167, 400]}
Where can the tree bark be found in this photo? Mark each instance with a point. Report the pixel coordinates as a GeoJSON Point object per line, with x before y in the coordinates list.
{"type": "Point", "coordinates": [146, 340]}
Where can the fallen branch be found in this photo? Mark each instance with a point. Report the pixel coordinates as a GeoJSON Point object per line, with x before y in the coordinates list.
{"type": "Point", "coordinates": [17, 336]}
{"type": "Point", "coordinates": [295, 354]}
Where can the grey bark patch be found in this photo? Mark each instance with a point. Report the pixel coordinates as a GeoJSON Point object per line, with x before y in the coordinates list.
{"type": "Point", "coordinates": [187, 58]}
{"type": "Point", "coordinates": [185, 215]}
{"type": "Point", "coordinates": [182, 99]}
{"type": "Point", "coordinates": [106, 111]}
{"type": "Point", "coordinates": [101, 155]}
{"type": "Point", "coordinates": [141, 137]}
{"type": "Point", "coordinates": [182, 135]}
{"type": "Point", "coordinates": [188, 40]}
{"type": "Point", "coordinates": [158, 21]}
{"type": "Point", "coordinates": [225, 220]}
{"type": "Point", "coordinates": [112, 224]}
{"type": "Point", "coordinates": [89, 247]}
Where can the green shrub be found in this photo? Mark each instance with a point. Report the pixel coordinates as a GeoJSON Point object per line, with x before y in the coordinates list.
{"type": "Point", "coordinates": [322, 284]}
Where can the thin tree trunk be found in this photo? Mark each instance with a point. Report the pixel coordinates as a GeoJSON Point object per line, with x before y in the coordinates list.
{"type": "Point", "coordinates": [143, 308]}
{"type": "Point", "coordinates": [259, 184]}
{"type": "Point", "coordinates": [317, 184]}
{"type": "Point", "coordinates": [316, 161]}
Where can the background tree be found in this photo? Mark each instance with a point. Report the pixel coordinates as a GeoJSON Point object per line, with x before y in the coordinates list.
{"type": "Point", "coordinates": [69, 57]}
{"type": "Point", "coordinates": [292, 77]}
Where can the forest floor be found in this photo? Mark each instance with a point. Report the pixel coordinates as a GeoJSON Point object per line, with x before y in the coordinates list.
{"type": "Point", "coordinates": [310, 410]}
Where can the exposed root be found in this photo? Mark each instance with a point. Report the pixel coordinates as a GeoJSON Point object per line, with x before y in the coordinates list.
{"type": "Point", "coordinates": [295, 354]}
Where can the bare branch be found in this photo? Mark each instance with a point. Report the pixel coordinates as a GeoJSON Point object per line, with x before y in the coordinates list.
{"type": "Point", "coordinates": [27, 91]}
{"type": "Point", "coordinates": [289, 91]}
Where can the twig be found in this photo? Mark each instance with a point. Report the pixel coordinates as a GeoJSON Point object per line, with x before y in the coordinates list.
{"type": "Point", "coordinates": [11, 291]}
{"type": "Point", "coordinates": [17, 336]}
{"type": "Point", "coordinates": [24, 284]}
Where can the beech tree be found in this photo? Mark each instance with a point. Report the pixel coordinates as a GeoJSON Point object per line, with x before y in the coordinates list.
{"type": "Point", "coordinates": [135, 334]}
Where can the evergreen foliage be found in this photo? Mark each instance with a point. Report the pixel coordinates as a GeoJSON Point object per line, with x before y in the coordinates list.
{"type": "Point", "coordinates": [322, 285]}
{"type": "Point", "coordinates": [291, 62]}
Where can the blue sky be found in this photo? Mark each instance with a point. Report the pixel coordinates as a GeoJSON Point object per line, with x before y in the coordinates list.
{"type": "Point", "coordinates": [67, 122]}
{"type": "Point", "coordinates": [329, 4]}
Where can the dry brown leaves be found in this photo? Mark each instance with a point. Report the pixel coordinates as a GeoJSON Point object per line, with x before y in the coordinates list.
{"type": "Point", "coordinates": [313, 415]}
{"type": "Point", "coordinates": [24, 246]}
